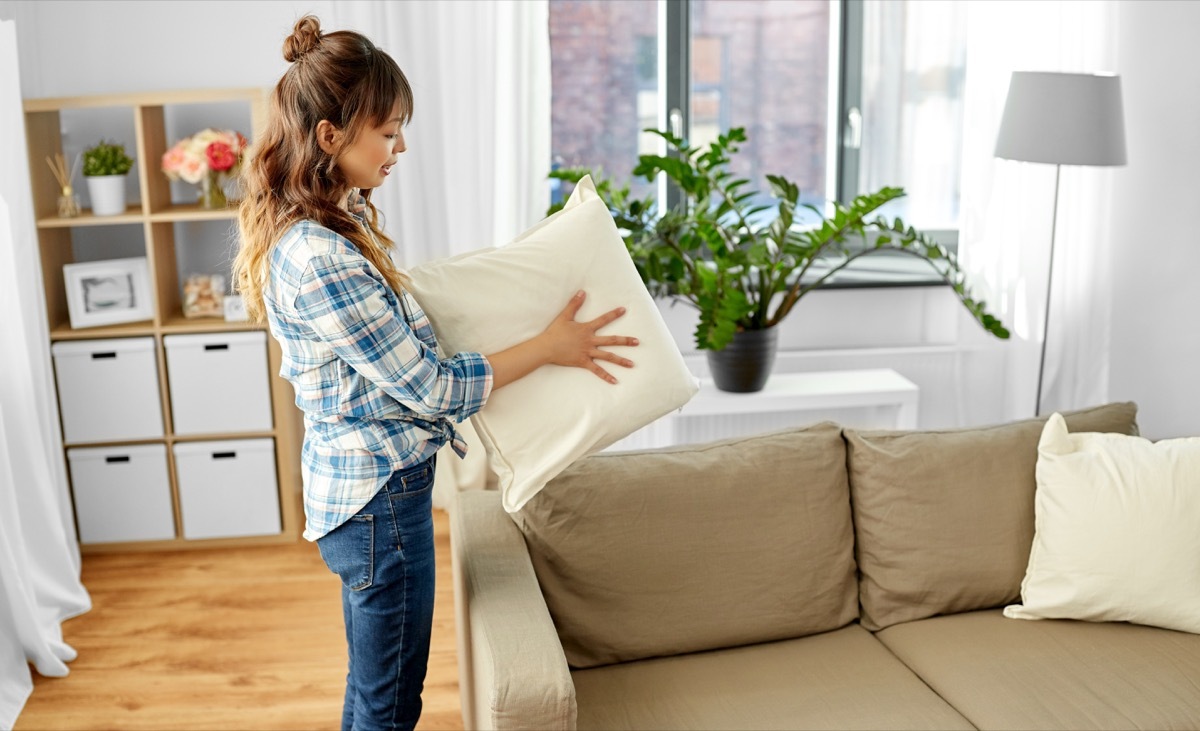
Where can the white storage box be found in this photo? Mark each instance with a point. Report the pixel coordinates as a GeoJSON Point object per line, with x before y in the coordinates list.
{"type": "Point", "coordinates": [228, 488]}
{"type": "Point", "coordinates": [108, 390]}
{"type": "Point", "coordinates": [122, 493]}
{"type": "Point", "coordinates": [218, 383]}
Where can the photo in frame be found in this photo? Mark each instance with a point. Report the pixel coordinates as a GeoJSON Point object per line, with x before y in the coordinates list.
{"type": "Point", "coordinates": [108, 292]}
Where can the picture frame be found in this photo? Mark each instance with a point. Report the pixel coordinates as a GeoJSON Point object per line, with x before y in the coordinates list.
{"type": "Point", "coordinates": [108, 292]}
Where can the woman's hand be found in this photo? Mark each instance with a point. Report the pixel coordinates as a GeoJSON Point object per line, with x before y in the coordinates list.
{"type": "Point", "coordinates": [564, 342]}
{"type": "Point", "coordinates": [576, 344]}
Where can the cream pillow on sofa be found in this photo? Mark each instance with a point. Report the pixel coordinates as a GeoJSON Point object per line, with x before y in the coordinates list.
{"type": "Point", "coordinates": [491, 299]}
{"type": "Point", "coordinates": [1117, 531]}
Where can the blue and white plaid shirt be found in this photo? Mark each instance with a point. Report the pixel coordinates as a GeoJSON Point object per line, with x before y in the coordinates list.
{"type": "Point", "coordinates": [364, 363]}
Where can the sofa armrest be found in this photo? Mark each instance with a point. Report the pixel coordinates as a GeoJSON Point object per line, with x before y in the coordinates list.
{"type": "Point", "coordinates": [512, 670]}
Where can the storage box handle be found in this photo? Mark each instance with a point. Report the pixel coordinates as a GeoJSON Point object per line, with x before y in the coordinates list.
{"type": "Point", "coordinates": [217, 346]}
{"type": "Point", "coordinates": [224, 455]}
{"type": "Point", "coordinates": [106, 354]}
{"type": "Point", "coordinates": [114, 460]}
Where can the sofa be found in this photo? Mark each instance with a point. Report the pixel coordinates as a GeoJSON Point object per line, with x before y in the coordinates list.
{"type": "Point", "coordinates": [820, 577]}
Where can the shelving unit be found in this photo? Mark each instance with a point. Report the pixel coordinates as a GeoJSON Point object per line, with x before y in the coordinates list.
{"type": "Point", "coordinates": [157, 214]}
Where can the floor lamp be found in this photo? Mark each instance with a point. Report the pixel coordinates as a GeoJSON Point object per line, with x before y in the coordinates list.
{"type": "Point", "coordinates": [1061, 119]}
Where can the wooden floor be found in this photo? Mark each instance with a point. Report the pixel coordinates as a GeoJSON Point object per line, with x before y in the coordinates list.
{"type": "Point", "coordinates": [246, 638]}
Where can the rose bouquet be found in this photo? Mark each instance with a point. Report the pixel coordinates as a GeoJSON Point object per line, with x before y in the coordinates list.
{"type": "Point", "coordinates": [207, 158]}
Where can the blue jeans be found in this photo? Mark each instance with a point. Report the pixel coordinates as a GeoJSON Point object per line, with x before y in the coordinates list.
{"type": "Point", "coordinates": [384, 557]}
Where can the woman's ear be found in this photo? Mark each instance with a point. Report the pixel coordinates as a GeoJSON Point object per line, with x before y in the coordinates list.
{"type": "Point", "coordinates": [328, 136]}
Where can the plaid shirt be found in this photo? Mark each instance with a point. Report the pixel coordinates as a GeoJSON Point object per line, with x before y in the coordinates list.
{"type": "Point", "coordinates": [364, 364]}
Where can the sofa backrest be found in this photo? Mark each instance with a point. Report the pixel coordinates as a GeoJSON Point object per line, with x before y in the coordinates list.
{"type": "Point", "coordinates": [655, 553]}
{"type": "Point", "coordinates": [944, 519]}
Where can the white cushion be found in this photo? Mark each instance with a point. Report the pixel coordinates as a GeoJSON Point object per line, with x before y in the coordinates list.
{"type": "Point", "coordinates": [491, 299]}
{"type": "Point", "coordinates": [1117, 530]}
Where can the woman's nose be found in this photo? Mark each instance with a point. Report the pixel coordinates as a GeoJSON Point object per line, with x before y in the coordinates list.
{"type": "Point", "coordinates": [399, 146]}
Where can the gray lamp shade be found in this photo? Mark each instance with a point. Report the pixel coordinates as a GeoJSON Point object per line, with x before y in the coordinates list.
{"type": "Point", "coordinates": [1065, 119]}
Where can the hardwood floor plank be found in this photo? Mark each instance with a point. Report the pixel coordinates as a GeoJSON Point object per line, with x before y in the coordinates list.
{"type": "Point", "coordinates": [230, 638]}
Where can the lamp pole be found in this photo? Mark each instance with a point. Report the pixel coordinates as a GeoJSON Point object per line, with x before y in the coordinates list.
{"type": "Point", "coordinates": [1037, 409]}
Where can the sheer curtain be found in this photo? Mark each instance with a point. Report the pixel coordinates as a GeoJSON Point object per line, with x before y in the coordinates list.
{"type": "Point", "coordinates": [39, 558]}
{"type": "Point", "coordinates": [478, 152]}
{"type": "Point", "coordinates": [1007, 206]}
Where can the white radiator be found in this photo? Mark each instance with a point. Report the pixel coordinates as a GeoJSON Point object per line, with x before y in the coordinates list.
{"type": "Point", "coordinates": [959, 386]}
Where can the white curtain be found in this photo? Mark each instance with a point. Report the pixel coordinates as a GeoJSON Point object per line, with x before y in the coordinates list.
{"type": "Point", "coordinates": [1008, 206]}
{"type": "Point", "coordinates": [39, 556]}
{"type": "Point", "coordinates": [478, 152]}
{"type": "Point", "coordinates": [479, 143]}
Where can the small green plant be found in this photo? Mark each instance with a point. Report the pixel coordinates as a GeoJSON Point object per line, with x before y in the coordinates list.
{"type": "Point", "coordinates": [741, 262]}
{"type": "Point", "coordinates": [106, 158]}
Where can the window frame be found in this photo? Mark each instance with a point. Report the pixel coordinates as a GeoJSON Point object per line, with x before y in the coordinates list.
{"type": "Point", "coordinates": [846, 56]}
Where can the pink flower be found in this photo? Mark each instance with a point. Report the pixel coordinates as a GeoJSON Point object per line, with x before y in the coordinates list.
{"type": "Point", "coordinates": [193, 170]}
{"type": "Point", "coordinates": [220, 156]}
{"type": "Point", "coordinates": [172, 161]}
{"type": "Point", "coordinates": [208, 151]}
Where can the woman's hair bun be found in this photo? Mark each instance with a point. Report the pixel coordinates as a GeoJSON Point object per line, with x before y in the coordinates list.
{"type": "Point", "coordinates": [306, 36]}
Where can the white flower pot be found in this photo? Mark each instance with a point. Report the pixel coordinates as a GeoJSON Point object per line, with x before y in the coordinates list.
{"type": "Point", "coordinates": [107, 193]}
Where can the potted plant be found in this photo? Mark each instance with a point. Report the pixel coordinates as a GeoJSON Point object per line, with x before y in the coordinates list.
{"type": "Point", "coordinates": [105, 166]}
{"type": "Point", "coordinates": [741, 261]}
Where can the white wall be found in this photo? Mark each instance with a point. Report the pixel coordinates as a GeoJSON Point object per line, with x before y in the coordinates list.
{"type": "Point", "coordinates": [72, 47]}
{"type": "Point", "coordinates": [1156, 298]}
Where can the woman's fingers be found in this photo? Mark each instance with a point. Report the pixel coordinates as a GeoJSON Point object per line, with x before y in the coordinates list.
{"type": "Point", "coordinates": [616, 340]}
{"type": "Point", "coordinates": [603, 374]}
{"type": "Point", "coordinates": [606, 318]}
{"type": "Point", "coordinates": [610, 357]}
{"type": "Point", "coordinates": [573, 306]}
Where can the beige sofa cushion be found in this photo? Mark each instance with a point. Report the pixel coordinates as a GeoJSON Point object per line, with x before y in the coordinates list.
{"type": "Point", "coordinates": [1054, 673]}
{"type": "Point", "coordinates": [843, 679]}
{"type": "Point", "coordinates": [944, 519]}
{"type": "Point", "coordinates": [641, 554]}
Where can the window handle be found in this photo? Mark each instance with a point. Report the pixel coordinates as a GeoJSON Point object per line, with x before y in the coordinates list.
{"type": "Point", "coordinates": [853, 128]}
{"type": "Point", "coordinates": [675, 121]}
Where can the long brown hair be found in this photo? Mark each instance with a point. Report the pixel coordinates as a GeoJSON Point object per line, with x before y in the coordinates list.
{"type": "Point", "coordinates": [344, 78]}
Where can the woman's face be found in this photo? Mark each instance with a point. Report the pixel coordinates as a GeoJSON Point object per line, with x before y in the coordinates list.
{"type": "Point", "coordinates": [367, 162]}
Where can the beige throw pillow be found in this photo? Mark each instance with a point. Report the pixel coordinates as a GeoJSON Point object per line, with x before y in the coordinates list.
{"type": "Point", "coordinates": [1117, 531]}
{"type": "Point", "coordinates": [683, 549]}
{"type": "Point", "coordinates": [489, 300]}
{"type": "Point", "coordinates": [944, 519]}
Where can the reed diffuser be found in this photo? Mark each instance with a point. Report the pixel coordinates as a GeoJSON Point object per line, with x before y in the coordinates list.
{"type": "Point", "coordinates": [68, 201]}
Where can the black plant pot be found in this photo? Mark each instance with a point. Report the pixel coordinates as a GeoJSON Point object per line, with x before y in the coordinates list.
{"type": "Point", "coordinates": [744, 365]}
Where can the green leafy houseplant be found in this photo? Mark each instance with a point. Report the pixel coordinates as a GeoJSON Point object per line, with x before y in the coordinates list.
{"type": "Point", "coordinates": [106, 158]}
{"type": "Point", "coordinates": [742, 262]}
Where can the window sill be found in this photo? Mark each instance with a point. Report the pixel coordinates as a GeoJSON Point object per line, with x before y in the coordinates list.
{"type": "Point", "coordinates": [883, 269]}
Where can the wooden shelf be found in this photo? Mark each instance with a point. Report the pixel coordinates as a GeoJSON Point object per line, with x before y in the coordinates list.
{"type": "Point", "coordinates": [64, 331]}
{"type": "Point", "coordinates": [179, 324]}
{"type": "Point", "coordinates": [115, 443]}
{"type": "Point", "coordinates": [186, 544]}
{"type": "Point", "coordinates": [193, 212]}
{"type": "Point", "coordinates": [170, 439]}
{"type": "Point", "coordinates": [193, 438]}
{"type": "Point", "coordinates": [145, 99]}
{"type": "Point", "coordinates": [156, 214]}
{"type": "Point", "coordinates": [132, 214]}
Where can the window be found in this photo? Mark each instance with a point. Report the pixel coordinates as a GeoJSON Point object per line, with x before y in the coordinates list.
{"type": "Point", "coordinates": [841, 96]}
{"type": "Point", "coordinates": [604, 85]}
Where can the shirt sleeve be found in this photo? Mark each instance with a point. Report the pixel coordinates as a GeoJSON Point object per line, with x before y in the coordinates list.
{"type": "Point", "coordinates": [358, 317]}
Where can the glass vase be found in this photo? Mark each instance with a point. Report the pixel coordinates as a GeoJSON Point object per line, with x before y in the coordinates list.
{"type": "Point", "coordinates": [68, 204]}
{"type": "Point", "coordinates": [212, 192]}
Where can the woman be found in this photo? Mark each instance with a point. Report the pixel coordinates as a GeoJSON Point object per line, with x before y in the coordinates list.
{"type": "Point", "coordinates": [377, 401]}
